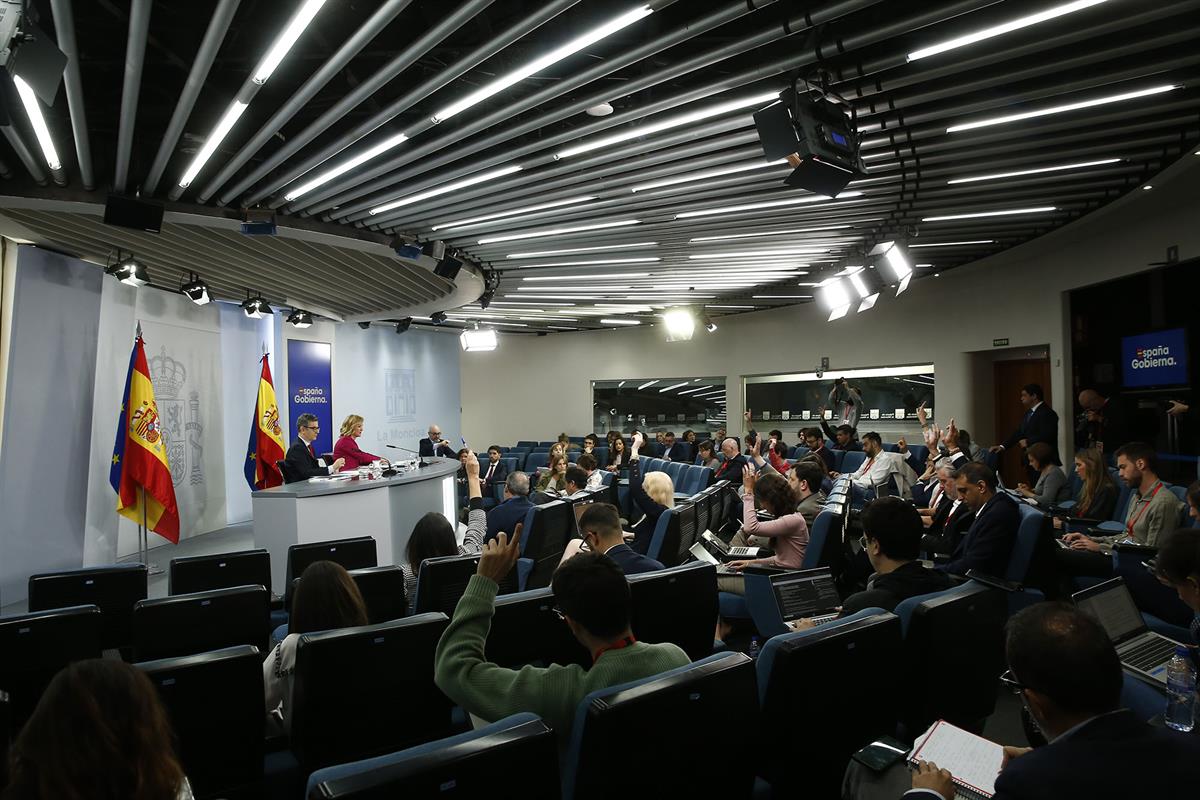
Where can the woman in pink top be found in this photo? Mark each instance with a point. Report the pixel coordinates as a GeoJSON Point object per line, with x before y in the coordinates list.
{"type": "Point", "coordinates": [348, 449]}
{"type": "Point", "coordinates": [788, 530]}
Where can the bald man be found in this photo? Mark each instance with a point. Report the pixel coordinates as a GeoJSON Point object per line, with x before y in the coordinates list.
{"type": "Point", "coordinates": [435, 445]}
{"type": "Point", "coordinates": [1100, 424]}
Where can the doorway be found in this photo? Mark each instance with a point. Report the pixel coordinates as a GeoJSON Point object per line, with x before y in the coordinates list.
{"type": "Point", "coordinates": [1007, 379]}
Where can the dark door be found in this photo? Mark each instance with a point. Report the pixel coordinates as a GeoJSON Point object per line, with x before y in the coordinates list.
{"type": "Point", "coordinates": [1008, 378]}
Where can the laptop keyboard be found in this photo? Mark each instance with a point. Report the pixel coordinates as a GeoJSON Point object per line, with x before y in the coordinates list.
{"type": "Point", "coordinates": [743, 552]}
{"type": "Point", "coordinates": [1149, 654]}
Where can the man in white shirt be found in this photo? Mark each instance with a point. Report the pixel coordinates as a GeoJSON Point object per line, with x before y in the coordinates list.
{"type": "Point", "coordinates": [576, 482]}
{"type": "Point", "coordinates": [588, 463]}
{"type": "Point", "coordinates": [879, 466]}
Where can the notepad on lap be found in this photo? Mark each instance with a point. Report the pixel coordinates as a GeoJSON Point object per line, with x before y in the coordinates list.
{"type": "Point", "coordinates": [972, 760]}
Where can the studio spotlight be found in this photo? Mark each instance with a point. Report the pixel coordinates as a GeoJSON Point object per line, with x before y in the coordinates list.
{"type": "Point", "coordinates": [681, 324]}
{"type": "Point", "coordinates": [301, 319]}
{"type": "Point", "coordinates": [478, 340]}
{"type": "Point", "coordinates": [256, 307]}
{"type": "Point", "coordinates": [836, 298]}
{"type": "Point", "coordinates": [258, 222]}
{"type": "Point", "coordinates": [437, 317]}
{"type": "Point", "coordinates": [897, 261]}
{"type": "Point", "coordinates": [485, 299]}
{"type": "Point", "coordinates": [365, 325]}
{"type": "Point", "coordinates": [707, 322]}
{"type": "Point", "coordinates": [196, 290]}
{"type": "Point", "coordinates": [448, 267]}
{"type": "Point", "coordinates": [867, 284]}
{"type": "Point", "coordinates": [128, 270]}
{"type": "Point", "coordinates": [404, 248]}
{"type": "Point", "coordinates": [816, 132]}
{"type": "Point", "coordinates": [403, 325]}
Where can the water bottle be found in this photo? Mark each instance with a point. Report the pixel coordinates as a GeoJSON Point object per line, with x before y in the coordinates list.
{"type": "Point", "coordinates": [753, 653]}
{"type": "Point", "coordinates": [1181, 691]}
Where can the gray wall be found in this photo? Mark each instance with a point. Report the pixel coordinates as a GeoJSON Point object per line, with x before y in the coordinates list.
{"type": "Point", "coordinates": [44, 464]}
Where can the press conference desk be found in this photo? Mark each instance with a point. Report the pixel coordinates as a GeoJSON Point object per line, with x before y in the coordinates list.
{"type": "Point", "coordinates": [385, 508]}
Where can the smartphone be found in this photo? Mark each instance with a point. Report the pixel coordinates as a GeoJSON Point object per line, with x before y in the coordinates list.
{"type": "Point", "coordinates": [882, 753]}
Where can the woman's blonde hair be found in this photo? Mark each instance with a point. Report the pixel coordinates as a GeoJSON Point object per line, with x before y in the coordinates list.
{"type": "Point", "coordinates": [660, 487]}
{"type": "Point", "coordinates": [351, 422]}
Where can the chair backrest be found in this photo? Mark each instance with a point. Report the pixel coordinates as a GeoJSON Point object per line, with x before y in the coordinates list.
{"type": "Point", "coordinates": [963, 626]}
{"type": "Point", "coordinates": [184, 624]}
{"type": "Point", "coordinates": [653, 728]}
{"type": "Point", "coordinates": [215, 704]}
{"type": "Point", "coordinates": [219, 571]}
{"type": "Point", "coordinates": [852, 460]}
{"type": "Point", "coordinates": [441, 583]}
{"type": "Point", "coordinates": [548, 444]}
{"type": "Point", "coordinates": [664, 543]}
{"type": "Point", "coordinates": [1029, 530]}
{"type": "Point", "coordinates": [529, 443]}
{"type": "Point", "coordinates": [675, 470]}
{"type": "Point", "coordinates": [839, 458]}
{"type": "Point", "coordinates": [689, 530]}
{"type": "Point", "coordinates": [1181, 493]}
{"type": "Point", "coordinates": [354, 553]}
{"type": "Point", "coordinates": [285, 470]}
{"type": "Point", "coordinates": [360, 692]}
{"type": "Point", "coordinates": [382, 589]}
{"type": "Point", "coordinates": [36, 646]}
{"type": "Point", "coordinates": [920, 451]}
{"type": "Point", "coordinates": [1124, 492]}
{"type": "Point", "coordinates": [527, 630]}
{"type": "Point", "coordinates": [535, 461]}
{"type": "Point", "coordinates": [824, 542]}
{"type": "Point", "coordinates": [515, 758]}
{"type": "Point", "coordinates": [543, 540]}
{"type": "Point", "coordinates": [601, 454]}
{"type": "Point", "coordinates": [795, 674]}
{"type": "Point", "coordinates": [112, 589]}
{"type": "Point", "coordinates": [677, 605]}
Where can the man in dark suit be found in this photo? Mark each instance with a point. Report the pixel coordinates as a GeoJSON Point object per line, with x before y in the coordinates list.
{"type": "Point", "coordinates": [493, 473]}
{"type": "Point", "coordinates": [731, 467]}
{"type": "Point", "coordinates": [301, 461]}
{"type": "Point", "coordinates": [435, 445]}
{"type": "Point", "coordinates": [1067, 674]}
{"type": "Point", "coordinates": [600, 527]}
{"type": "Point", "coordinates": [950, 522]}
{"type": "Point", "coordinates": [990, 539]}
{"type": "Point", "coordinates": [516, 505]}
{"type": "Point", "coordinates": [676, 451]}
{"type": "Point", "coordinates": [1040, 424]}
{"type": "Point", "coordinates": [1101, 424]}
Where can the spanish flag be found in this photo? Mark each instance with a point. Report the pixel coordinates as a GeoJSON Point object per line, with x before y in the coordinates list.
{"type": "Point", "coordinates": [139, 459]}
{"type": "Point", "coordinates": [266, 436]}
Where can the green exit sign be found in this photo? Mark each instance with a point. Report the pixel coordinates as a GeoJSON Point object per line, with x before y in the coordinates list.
{"type": "Point", "coordinates": [999, 342]}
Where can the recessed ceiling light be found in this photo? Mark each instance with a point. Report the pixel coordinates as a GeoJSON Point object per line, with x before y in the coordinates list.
{"type": "Point", "coordinates": [1148, 187]}
{"type": "Point", "coordinates": [599, 110]}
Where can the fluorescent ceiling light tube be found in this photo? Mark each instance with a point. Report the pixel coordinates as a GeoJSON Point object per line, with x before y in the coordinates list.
{"type": "Point", "coordinates": [1002, 28]}
{"type": "Point", "coordinates": [296, 25]}
{"type": "Point", "coordinates": [952, 244]}
{"type": "Point", "coordinates": [647, 260]}
{"type": "Point", "coordinates": [674, 122]}
{"type": "Point", "coordinates": [462, 223]}
{"type": "Point", "coordinates": [782, 297]}
{"type": "Point", "coordinates": [551, 319]}
{"type": "Point", "coordinates": [557, 297]}
{"type": "Point", "coordinates": [708, 173]}
{"type": "Point", "coordinates": [815, 198]}
{"type": "Point", "coordinates": [621, 322]}
{"type": "Point", "coordinates": [588, 288]}
{"type": "Point", "coordinates": [790, 251]}
{"type": "Point", "coordinates": [698, 389]}
{"type": "Point", "coordinates": [786, 232]}
{"type": "Point", "coordinates": [623, 275]}
{"type": "Point", "coordinates": [537, 65]}
{"type": "Point", "coordinates": [557, 231]}
{"type": "Point", "coordinates": [34, 109]}
{"type": "Point", "coordinates": [519, 303]}
{"type": "Point", "coordinates": [712, 306]}
{"type": "Point", "coordinates": [998, 175]}
{"type": "Point", "coordinates": [1005, 213]}
{"type": "Point", "coordinates": [669, 388]}
{"type": "Point", "coordinates": [346, 166]}
{"type": "Point", "coordinates": [597, 249]}
{"type": "Point", "coordinates": [1042, 112]}
{"type": "Point", "coordinates": [213, 142]}
{"type": "Point", "coordinates": [446, 188]}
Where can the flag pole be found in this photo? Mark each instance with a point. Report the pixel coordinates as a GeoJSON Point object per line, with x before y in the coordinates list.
{"type": "Point", "coordinates": [143, 539]}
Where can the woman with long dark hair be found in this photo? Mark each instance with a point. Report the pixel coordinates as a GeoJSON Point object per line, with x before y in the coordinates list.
{"type": "Point", "coordinates": [98, 733]}
{"type": "Point", "coordinates": [433, 535]}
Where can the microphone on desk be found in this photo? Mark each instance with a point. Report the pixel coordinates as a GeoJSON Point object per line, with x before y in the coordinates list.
{"type": "Point", "coordinates": [423, 462]}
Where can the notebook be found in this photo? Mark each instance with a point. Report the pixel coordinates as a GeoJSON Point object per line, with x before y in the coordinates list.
{"type": "Point", "coordinates": [972, 760]}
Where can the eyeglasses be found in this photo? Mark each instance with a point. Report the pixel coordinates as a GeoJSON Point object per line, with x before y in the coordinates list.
{"type": "Point", "coordinates": [558, 612]}
{"type": "Point", "coordinates": [312, 427]}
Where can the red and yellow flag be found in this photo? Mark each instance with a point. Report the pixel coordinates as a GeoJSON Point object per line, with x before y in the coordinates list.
{"type": "Point", "coordinates": [266, 436]}
{"type": "Point", "coordinates": [139, 458]}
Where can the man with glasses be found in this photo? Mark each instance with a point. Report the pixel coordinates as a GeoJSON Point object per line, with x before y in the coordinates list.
{"type": "Point", "coordinates": [600, 528]}
{"type": "Point", "coordinates": [1067, 674]}
{"type": "Point", "coordinates": [301, 460]}
{"type": "Point", "coordinates": [594, 602]}
{"type": "Point", "coordinates": [435, 445]}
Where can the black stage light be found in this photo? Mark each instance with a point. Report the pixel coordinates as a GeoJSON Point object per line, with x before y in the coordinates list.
{"type": "Point", "coordinates": [403, 325]}
{"type": "Point", "coordinates": [817, 136]}
{"type": "Point", "coordinates": [196, 290]}
{"type": "Point", "coordinates": [301, 319]}
{"type": "Point", "coordinates": [438, 317]}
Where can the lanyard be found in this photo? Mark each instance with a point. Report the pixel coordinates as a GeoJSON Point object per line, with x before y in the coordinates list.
{"type": "Point", "coordinates": [621, 645]}
{"type": "Point", "coordinates": [1142, 510]}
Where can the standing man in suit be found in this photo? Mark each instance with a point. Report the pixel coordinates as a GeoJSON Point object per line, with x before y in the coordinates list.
{"type": "Point", "coordinates": [435, 445]}
{"type": "Point", "coordinates": [600, 529]}
{"type": "Point", "coordinates": [1040, 424]}
{"type": "Point", "coordinates": [516, 505]}
{"type": "Point", "coordinates": [990, 539]}
{"type": "Point", "coordinates": [1067, 674]}
{"type": "Point", "coordinates": [494, 473]}
{"type": "Point", "coordinates": [301, 460]}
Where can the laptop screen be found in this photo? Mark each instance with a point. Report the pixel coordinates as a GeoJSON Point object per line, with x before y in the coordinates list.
{"type": "Point", "coordinates": [1114, 608]}
{"type": "Point", "coordinates": [805, 595]}
{"type": "Point", "coordinates": [579, 507]}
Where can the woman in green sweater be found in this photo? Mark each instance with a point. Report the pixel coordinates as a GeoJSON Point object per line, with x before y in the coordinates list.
{"type": "Point", "coordinates": [593, 600]}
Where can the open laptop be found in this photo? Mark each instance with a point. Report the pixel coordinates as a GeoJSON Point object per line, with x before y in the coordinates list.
{"type": "Point", "coordinates": [579, 506]}
{"type": "Point", "coordinates": [700, 552]}
{"type": "Point", "coordinates": [809, 593]}
{"type": "Point", "coordinates": [1141, 650]}
{"type": "Point", "coordinates": [730, 552]}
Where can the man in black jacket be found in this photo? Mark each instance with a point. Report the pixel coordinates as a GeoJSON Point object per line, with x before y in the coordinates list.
{"type": "Point", "coordinates": [990, 539]}
{"type": "Point", "coordinates": [1067, 674]}
{"type": "Point", "coordinates": [600, 527]}
{"type": "Point", "coordinates": [435, 445]}
{"type": "Point", "coordinates": [1040, 424]}
{"type": "Point", "coordinates": [513, 509]}
{"type": "Point", "coordinates": [301, 460]}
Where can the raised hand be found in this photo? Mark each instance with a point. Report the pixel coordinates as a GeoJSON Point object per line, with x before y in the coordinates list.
{"type": "Point", "coordinates": [922, 417]}
{"type": "Point", "coordinates": [472, 466]}
{"type": "Point", "coordinates": [748, 478]}
{"type": "Point", "coordinates": [500, 555]}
